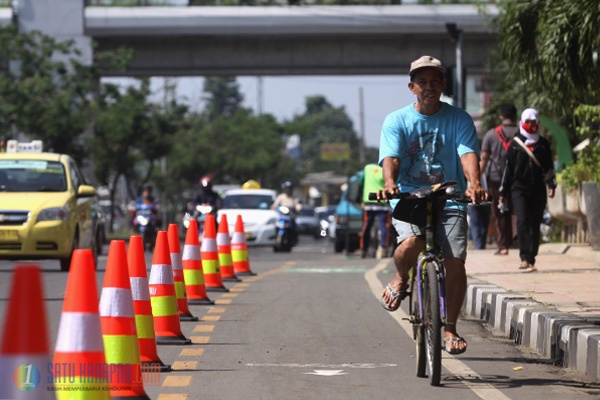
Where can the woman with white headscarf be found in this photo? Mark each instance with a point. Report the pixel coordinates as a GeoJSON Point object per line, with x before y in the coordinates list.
{"type": "Point", "coordinates": [528, 178]}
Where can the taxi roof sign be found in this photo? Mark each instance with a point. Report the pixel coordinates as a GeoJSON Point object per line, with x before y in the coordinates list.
{"type": "Point", "coordinates": [35, 146]}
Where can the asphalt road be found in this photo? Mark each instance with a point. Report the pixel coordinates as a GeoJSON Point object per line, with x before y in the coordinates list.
{"type": "Point", "coordinates": [309, 326]}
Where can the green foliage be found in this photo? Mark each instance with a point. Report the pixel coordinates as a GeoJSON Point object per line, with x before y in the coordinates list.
{"type": "Point", "coordinates": [320, 124]}
{"type": "Point", "coordinates": [548, 58]}
{"type": "Point", "coordinates": [587, 166]}
{"type": "Point", "coordinates": [223, 97]}
{"type": "Point", "coordinates": [235, 149]}
{"type": "Point", "coordinates": [46, 93]}
{"type": "Point", "coordinates": [551, 52]}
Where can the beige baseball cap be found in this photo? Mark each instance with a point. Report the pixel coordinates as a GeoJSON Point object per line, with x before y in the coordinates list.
{"type": "Point", "coordinates": [426, 62]}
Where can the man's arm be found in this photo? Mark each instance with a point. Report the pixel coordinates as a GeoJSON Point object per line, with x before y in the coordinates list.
{"type": "Point", "coordinates": [470, 165]}
{"type": "Point", "coordinates": [485, 158]}
{"type": "Point", "coordinates": [391, 170]}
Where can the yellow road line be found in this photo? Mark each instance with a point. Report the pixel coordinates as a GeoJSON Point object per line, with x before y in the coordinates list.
{"type": "Point", "coordinates": [184, 365]}
{"type": "Point", "coordinates": [199, 339]}
{"type": "Point", "coordinates": [177, 381]}
{"type": "Point", "coordinates": [222, 302]}
{"type": "Point", "coordinates": [229, 295]}
{"type": "Point", "coordinates": [216, 310]}
{"type": "Point", "coordinates": [204, 328]}
{"type": "Point", "coordinates": [211, 318]}
{"type": "Point", "coordinates": [237, 290]}
{"type": "Point", "coordinates": [191, 352]}
{"type": "Point", "coordinates": [242, 285]}
{"type": "Point", "coordinates": [172, 396]}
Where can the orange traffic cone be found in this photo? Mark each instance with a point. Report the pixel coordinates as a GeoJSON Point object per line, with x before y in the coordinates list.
{"type": "Point", "coordinates": [178, 279]}
{"type": "Point", "coordinates": [239, 249]}
{"type": "Point", "coordinates": [24, 355]}
{"type": "Point", "coordinates": [79, 353]}
{"type": "Point", "coordinates": [117, 318]}
{"type": "Point", "coordinates": [144, 323]}
{"type": "Point", "coordinates": [162, 295]}
{"type": "Point", "coordinates": [210, 257]}
{"type": "Point", "coordinates": [192, 267]}
{"type": "Point", "coordinates": [224, 250]}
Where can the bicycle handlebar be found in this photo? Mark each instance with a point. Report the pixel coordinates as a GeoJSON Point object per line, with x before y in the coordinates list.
{"type": "Point", "coordinates": [459, 198]}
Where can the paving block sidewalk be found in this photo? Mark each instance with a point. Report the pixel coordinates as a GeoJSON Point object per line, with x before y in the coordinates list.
{"type": "Point", "coordinates": [554, 311]}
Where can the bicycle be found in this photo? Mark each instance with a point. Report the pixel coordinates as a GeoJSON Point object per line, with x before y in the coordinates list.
{"type": "Point", "coordinates": [427, 310]}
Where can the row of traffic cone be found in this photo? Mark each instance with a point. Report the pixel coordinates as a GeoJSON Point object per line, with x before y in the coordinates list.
{"type": "Point", "coordinates": [131, 309]}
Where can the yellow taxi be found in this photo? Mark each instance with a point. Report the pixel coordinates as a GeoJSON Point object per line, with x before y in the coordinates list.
{"type": "Point", "coordinates": [46, 208]}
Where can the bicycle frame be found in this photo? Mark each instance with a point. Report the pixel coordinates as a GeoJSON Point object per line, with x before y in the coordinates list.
{"type": "Point", "coordinates": [426, 256]}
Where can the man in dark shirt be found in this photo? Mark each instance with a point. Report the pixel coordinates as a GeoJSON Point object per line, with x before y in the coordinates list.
{"type": "Point", "coordinates": [493, 158]}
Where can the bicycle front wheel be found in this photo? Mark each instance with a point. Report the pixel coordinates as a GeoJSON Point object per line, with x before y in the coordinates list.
{"type": "Point", "coordinates": [432, 322]}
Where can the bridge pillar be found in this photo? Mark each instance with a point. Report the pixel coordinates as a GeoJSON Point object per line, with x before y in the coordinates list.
{"type": "Point", "coordinates": [60, 19]}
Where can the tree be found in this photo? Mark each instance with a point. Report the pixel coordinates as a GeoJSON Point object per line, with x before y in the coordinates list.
{"type": "Point", "coordinates": [46, 93]}
{"type": "Point", "coordinates": [550, 49]}
{"type": "Point", "coordinates": [133, 135]}
{"type": "Point", "coordinates": [234, 149]}
{"type": "Point", "coordinates": [41, 96]}
{"type": "Point", "coordinates": [323, 123]}
{"type": "Point", "coordinates": [223, 96]}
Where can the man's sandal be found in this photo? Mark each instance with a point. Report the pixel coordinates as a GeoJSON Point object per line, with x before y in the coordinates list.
{"type": "Point", "coordinates": [450, 345]}
{"type": "Point", "coordinates": [402, 294]}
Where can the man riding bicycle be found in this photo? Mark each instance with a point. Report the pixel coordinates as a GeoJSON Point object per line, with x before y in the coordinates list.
{"type": "Point", "coordinates": [421, 144]}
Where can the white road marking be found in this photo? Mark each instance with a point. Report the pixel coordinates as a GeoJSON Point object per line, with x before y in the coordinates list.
{"type": "Point", "coordinates": [326, 372]}
{"type": "Point", "coordinates": [295, 365]}
{"type": "Point", "coordinates": [459, 369]}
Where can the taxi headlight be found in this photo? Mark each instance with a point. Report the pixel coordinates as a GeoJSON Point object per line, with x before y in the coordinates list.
{"type": "Point", "coordinates": [53, 214]}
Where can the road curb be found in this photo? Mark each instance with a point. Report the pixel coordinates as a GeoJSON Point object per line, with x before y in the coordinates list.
{"type": "Point", "coordinates": [565, 338]}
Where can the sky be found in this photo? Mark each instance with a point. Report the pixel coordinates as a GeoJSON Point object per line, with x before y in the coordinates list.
{"type": "Point", "coordinates": [284, 96]}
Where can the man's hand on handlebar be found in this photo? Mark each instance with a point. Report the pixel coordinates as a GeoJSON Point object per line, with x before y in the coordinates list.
{"type": "Point", "coordinates": [477, 194]}
{"type": "Point", "coordinates": [387, 193]}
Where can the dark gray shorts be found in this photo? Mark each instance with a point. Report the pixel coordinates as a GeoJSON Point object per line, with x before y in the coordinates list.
{"type": "Point", "coordinates": [450, 235]}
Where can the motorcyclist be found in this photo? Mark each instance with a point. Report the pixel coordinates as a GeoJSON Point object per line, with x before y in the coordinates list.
{"type": "Point", "coordinates": [287, 199]}
{"type": "Point", "coordinates": [146, 200]}
{"type": "Point", "coordinates": [207, 196]}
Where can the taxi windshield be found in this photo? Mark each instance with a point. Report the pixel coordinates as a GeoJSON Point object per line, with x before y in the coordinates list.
{"type": "Point", "coordinates": [248, 201]}
{"type": "Point", "coordinates": [32, 176]}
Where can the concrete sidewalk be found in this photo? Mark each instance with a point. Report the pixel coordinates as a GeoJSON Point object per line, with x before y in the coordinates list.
{"type": "Point", "coordinates": [554, 311]}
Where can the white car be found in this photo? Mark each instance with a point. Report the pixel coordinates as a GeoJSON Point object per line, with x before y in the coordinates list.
{"type": "Point", "coordinates": [254, 205]}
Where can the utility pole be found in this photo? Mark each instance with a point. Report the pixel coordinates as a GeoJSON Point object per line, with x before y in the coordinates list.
{"type": "Point", "coordinates": [259, 99]}
{"type": "Point", "coordinates": [457, 35]}
{"type": "Point", "coordinates": [361, 143]}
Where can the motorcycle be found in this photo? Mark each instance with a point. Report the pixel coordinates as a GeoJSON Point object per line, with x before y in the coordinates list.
{"type": "Point", "coordinates": [145, 223]}
{"type": "Point", "coordinates": [199, 213]}
{"type": "Point", "coordinates": [285, 233]}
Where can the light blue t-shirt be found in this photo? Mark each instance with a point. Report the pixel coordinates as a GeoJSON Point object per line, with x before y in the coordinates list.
{"type": "Point", "coordinates": [429, 147]}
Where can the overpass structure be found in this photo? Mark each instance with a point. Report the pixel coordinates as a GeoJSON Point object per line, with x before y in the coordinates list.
{"type": "Point", "coordinates": [269, 40]}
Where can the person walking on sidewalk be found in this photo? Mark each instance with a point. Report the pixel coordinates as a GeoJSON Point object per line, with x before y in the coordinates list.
{"type": "Point", "coordinates": [493, 159]}
{"type": "Point", "coordinates": [528, 178]}
{"type": "Point", "coordinates": [371, 181]}
{"type": "Point", "coordinates": [421, 144]}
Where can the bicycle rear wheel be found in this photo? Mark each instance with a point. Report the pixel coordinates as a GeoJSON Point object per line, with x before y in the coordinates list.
{"type": "Point", "coordinates": [432, 323]}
